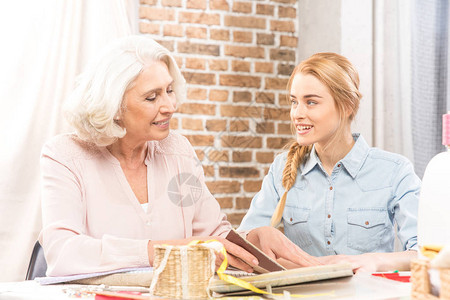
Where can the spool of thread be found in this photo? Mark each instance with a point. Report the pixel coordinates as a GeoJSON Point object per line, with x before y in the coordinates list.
{"type": "Point", "coordinates": [446, 129]}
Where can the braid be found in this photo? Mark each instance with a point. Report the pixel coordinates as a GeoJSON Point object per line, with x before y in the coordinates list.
{"type": "Point", "coordinates": [296, 156]}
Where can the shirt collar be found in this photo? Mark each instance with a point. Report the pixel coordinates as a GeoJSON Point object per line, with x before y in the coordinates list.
{"type": "Point", "coordinates": [352, 162]}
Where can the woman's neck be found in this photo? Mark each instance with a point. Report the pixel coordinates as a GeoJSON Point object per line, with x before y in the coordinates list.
{"type": "Point", "coordinates": [330, 154]}
{"type": "Point", "coordinates": [130, 155]}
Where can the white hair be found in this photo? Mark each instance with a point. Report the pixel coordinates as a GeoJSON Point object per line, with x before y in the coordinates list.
{"type": "Point", "coordinates": [98, 96]}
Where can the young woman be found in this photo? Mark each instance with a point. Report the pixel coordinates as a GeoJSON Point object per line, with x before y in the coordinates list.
{"type": "Point", "coordinates": [337, 197]}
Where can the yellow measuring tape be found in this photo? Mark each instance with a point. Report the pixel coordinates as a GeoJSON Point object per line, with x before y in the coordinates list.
{"type": "Point", "coordinates": [245, 284]}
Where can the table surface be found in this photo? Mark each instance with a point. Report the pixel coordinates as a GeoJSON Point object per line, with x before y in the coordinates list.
{"type": "Point", "coordinates": [360, 286]}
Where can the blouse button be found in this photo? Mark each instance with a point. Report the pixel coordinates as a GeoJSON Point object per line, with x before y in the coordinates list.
{"type": "Point", "coordinates": [290, 219]}
{"type": "Point", "coordinates": [329, 216]}
{"type": "Point", "coordinates": [331, 188]}
{"type": "Point", "coordinates": [339, 165]}
{"type": "Point", "coordinates": [367, 223]}
{"type": "Point", "coordinates": [328, 242]}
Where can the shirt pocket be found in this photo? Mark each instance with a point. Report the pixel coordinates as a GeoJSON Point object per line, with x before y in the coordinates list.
{"type": "Point", "coordinates": [366, 227]}
{"type": "Point", "coordinates": [296, 225]}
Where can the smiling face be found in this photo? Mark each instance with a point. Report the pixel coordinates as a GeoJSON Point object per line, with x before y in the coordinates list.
{"type": "Point", "coordinates": [313, 111]}
{"type": "Point", "coordinates": [149, 104]}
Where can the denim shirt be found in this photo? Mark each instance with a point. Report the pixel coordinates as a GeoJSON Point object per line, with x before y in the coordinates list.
{"type": "Point", "coordinates": [352, 211]}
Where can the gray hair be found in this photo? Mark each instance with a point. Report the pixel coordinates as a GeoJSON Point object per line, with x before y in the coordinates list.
{"type": "Point", "coordinates": [98, 96]}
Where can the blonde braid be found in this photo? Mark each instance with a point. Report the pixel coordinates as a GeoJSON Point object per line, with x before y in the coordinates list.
{"type": "Point", "coordinates": [296, 156]}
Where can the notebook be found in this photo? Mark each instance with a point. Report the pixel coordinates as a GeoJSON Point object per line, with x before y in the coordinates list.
{"type": "Point", "coordinates": [283, 278]}
{"type": "Point", "coordinates": [266, 264]}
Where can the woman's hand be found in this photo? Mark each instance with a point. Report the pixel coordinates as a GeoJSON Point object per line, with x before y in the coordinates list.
{"type": "Point", "coordinates": [276, 245]}
{"type": "Point", "coordinates": [359, 263]}
{"type": "Point", "coordinates": [374, 262]}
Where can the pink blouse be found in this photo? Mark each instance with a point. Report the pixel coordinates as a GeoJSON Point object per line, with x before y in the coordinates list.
{"type": "Point", "coordinates": [93, 222]}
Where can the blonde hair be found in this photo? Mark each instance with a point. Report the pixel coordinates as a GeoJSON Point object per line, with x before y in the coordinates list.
{"type": "Point", "coordinates": [98, 96]}
{"type": "Point", "coordinates": [342, 80]}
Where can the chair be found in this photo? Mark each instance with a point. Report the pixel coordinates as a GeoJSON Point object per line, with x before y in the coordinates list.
{"type": "Point", "coordinates": [38, 265]}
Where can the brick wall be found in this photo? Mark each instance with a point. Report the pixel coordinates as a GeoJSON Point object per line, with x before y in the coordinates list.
{"type": "Point", "coordinates": [236, 57]}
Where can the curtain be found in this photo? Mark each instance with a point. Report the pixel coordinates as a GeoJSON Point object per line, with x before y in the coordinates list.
{"type": "Point", "coordinates": [392, 76]}
{"type": "Point", "coordinates": [45, 47]}
{"type": "Point", "coordinates": [429, 78]}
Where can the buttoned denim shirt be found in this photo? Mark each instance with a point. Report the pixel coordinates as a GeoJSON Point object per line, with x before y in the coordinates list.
{"type": "Point", "coordinates": [352, 211]}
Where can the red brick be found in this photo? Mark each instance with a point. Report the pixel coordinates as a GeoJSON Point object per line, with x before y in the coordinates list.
{"type": "Point", "coordinates": [218, 5]}
{"type": "Point", "coordinates": [235, 218]}
{"type": "Point", "coordinates": [192, 124]}
{"type": "Point", "coordinates": [197, 109]}
{"type": "Point", "coordinates": [277, 143]}
{"type": "Point", "coordinates": [265, 39]}
{"type": "Point", "coordinates": [195, 63]}
{"type": "Point", "coordinates": [239, 125]}
{"type": "Point", "coordinates": [216, 156]}
{"type": "Point", "coordinates": [151, 28]}
{"type": "Point", "coordinates": [176, 3]}
{"type": "Point", "coordinates": [166, 44]}
{"type": "Point", "coordinates": [240, 80]}
{"type": "Point", "coordinates": [282, 54]}
{"type": "Point", "coordinates": [243, 36]}
{"type": "Point", "coordinates": [153, 13]}
{"type": "Point", "coordinates": [173, 123]}
{"type": "Point", "coordinates": [276, 83]}
{"type": "Point", "coordinates": [264, 157]}
{"type": "Point", "coordinates": [243, 202]}
{"type": "Point", "coordinates": [225, 202]}
{"type": "Point", "coordinates": [197, 4]}
{"type": "Point", "coordinates": [284, 128]}
{"type": "Point", "coordinates": [218, 95]}
{"type": "Point", "coordinates": [285, 69]}
{"type": "Point", "coordinates": [149, 2]}
{"type": "Point", "coordinates": [209, 171]}
{"type": "Point", "coordinates": [221, 187]}
{"type": "Point", "coordinates": [216, 125]}
{"type": "Point", "coordinates": [285, 1]}
{"type": "Point", "coordinates": [287, 12]}
{"type": "Point", "coordinates": [245, 22]}
{"type": "Point", "coordinates": [241, 141]}
{"type": "Point", "coordinates": [263, 97]}
{"type": "Point", "coordinates": [240, 66]}
{"type": "Point", "coordinates": [242, 97]}
{"type": "Point", "coordinates": [201, 140]}
{"type": "Point", "coordinates": [196, 32]}
{"type": "Point", "coordinates": [218, 65]}
{"type": "Point", "coordinates": [179, 61]}
{"type": "Point", "coordinates": [282, 114]}
{"type": "Point", "coordinates": [287, 26]}
{"type": "Point", "coordinates": [220, 34]}
{"type": "Point", "coordinates": [244, 51]}
{"type": "Point", "coordinates": [196, 48]}
{"type": "Point", "coordinates": [242, 7]}
{"type": "Point", "coordinates": [200, 154]}
{"type": "Point", "coordinates": [241, 111]}
{"type": "Point", "coordinates": [200, 78]}
{"type": "Point", "coordinates": [263, 67]}
{"type": "Point", "coordinates": [173, 30]}
{"type": "Point", "coordinates": [265, 127]}
{"type": "Point", "coordinates": [264, 9]}
{"type": "Point", "coordinates": [199, 18]}
{"type": "Point", "coordinates": [252, 186]}
{"type": "Point", "coordinates": [196, 94]}
{"type": "Point", "coordinates": [236, 172]}
{"type": "Point", "coordinates": [288, 41]}
{"type": "Point", "coordinates": [242, 156]}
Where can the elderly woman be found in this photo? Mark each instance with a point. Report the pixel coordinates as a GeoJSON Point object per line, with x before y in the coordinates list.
{"type": "Point", "coordinates": [123, 181]}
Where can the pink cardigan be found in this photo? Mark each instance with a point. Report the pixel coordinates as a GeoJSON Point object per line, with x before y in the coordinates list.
{"type": "Point", "coordinates": [92, 220]}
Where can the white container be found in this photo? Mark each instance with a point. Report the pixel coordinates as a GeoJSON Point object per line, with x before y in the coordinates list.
{"type": "Point", "coordinates": [434, 204]}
